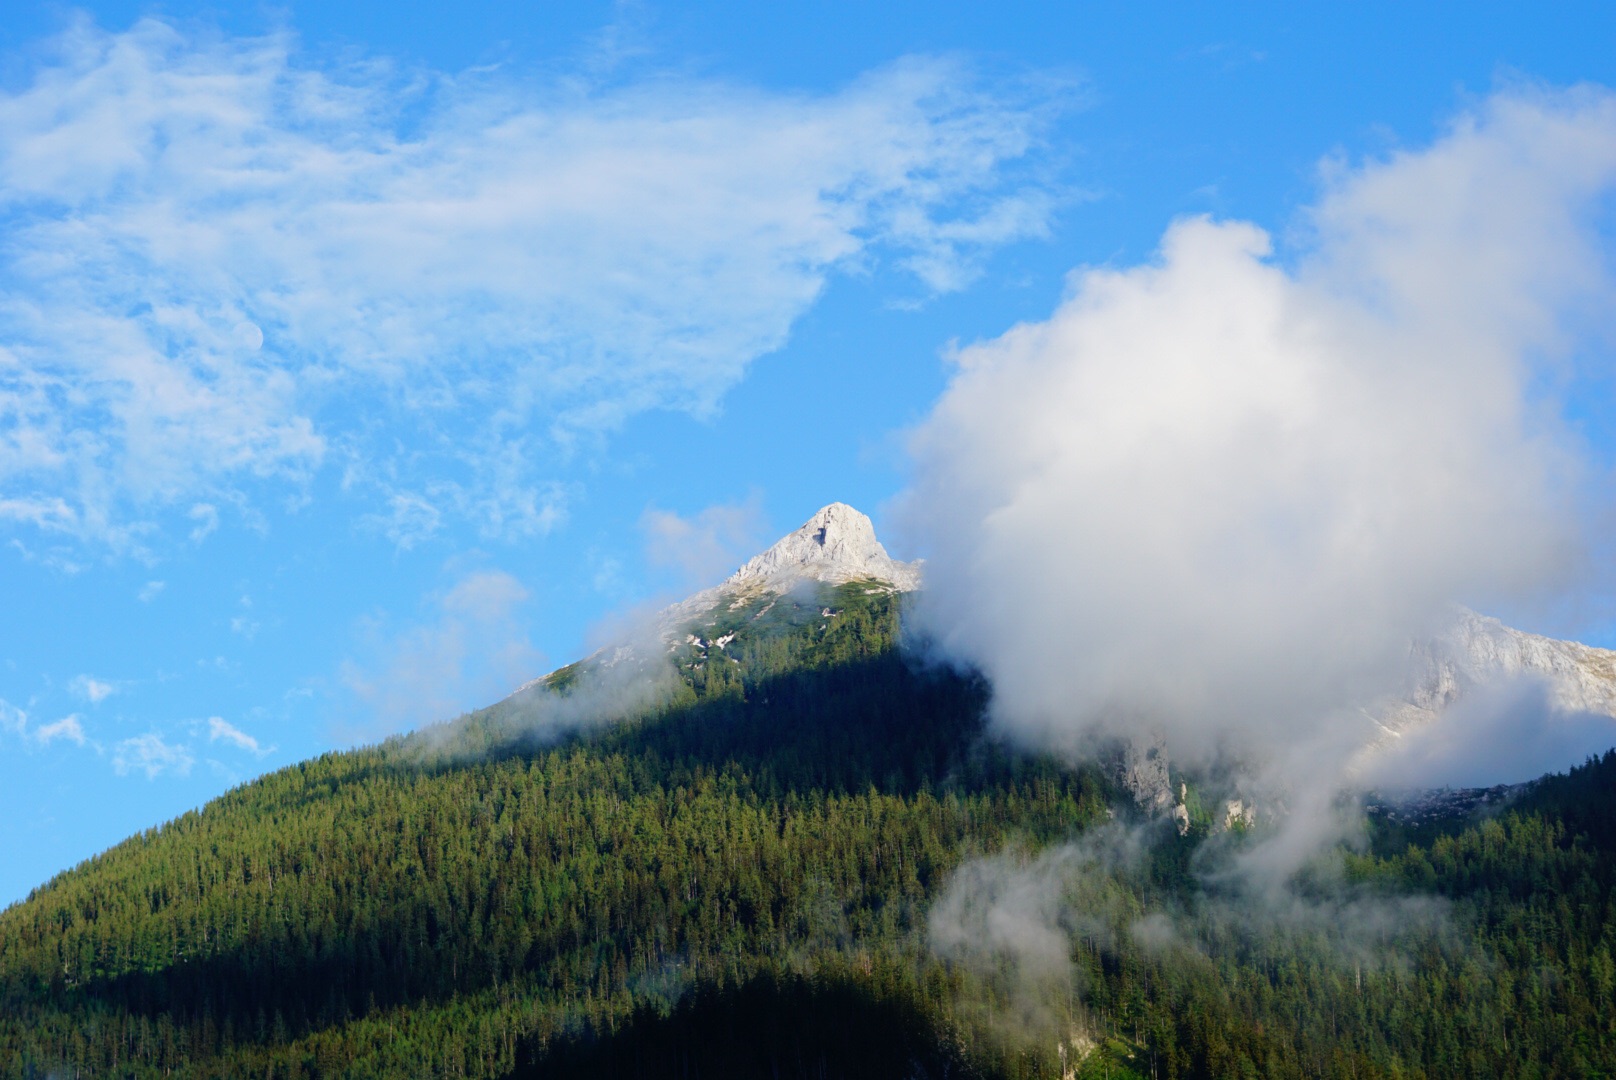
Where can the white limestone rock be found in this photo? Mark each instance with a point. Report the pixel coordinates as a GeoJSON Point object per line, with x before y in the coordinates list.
{"type": "Point", "coordinates": [835, 546]}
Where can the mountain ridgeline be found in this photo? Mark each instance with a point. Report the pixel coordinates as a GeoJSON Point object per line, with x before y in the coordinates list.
{"type": "Point", "coordinates": [746, 872]}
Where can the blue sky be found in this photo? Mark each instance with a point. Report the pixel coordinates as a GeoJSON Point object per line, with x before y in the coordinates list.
{"type": "Point", "coordinates": [358, 361]}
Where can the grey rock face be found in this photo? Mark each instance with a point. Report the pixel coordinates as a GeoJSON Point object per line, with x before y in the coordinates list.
{"type": "Point", "coordinates": [1145, 774]}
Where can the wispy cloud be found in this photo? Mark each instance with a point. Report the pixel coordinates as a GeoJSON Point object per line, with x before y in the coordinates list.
{"type": "Point", "coordinates": [68, 727]}
{"type": "Point", "coordinates": [229, 263]}
{"type": "Point", "coordinates": [470, 653]}
{"type": "Point", "coordinates": [705, 546]}
{"type": "Point", "coordinates": [151, 755]}
{"type": "Point", "coordinates": [13, 719]}
{"type": "Point", "coordinates": [243, 623]}
{"type": "Point", "coordinates": [16, 721]}
{"type": "Point", "coordinates": [220, 730]}
{"type": "Point", "coordinates": [206, 516]}
{"type": "Point", "coordinates": [151, 591]}
{"type": "Point", "coordinates": [91, 689]}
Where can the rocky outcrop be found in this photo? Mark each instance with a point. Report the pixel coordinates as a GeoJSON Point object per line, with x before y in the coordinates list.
{"type": "Point", "coordinates": [1145, 774]}
{"type": "Point", "coordinates": [1238, 815]}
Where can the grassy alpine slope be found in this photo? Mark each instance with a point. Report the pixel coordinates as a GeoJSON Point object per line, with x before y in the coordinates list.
{"type": "Point", "coordinates": [739, 882]}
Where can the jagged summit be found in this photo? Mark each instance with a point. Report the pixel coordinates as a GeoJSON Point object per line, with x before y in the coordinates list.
{"type": "Point", "coordinates": [836, 545]}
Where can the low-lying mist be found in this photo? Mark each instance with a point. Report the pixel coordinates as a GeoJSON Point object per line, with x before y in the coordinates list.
{"type": "Point", "coordinates": [1036, 929]}
{"type": "Point", "coordinates": [630, 675]}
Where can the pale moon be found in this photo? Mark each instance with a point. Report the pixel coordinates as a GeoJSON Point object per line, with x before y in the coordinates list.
{"type": "Point", "coordinates": [248, 336]}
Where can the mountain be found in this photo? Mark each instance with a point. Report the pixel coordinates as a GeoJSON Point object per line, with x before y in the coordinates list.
{"type": "Point", "coordinates": [801, 856]}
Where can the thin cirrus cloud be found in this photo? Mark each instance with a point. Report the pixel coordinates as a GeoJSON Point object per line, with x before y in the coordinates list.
{"type": "Point", "coordinates": [472, 650]}
{"type": "Point", "coordinates": [91, 689]}
{"type": "Point", "coordinates": [16, 721]}
{"type": "Point", "coordinates": [68, 728]}
{"type": "Point", "coordinates": [221, 730]}
{"type": "Point", "coordinates": [226, 263]}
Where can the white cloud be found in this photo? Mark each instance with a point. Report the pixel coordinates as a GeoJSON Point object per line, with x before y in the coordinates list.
{"type": "Point", "coordinates": [13, 719]}
{"type": "Point", "coordinates": [227, 264]}
{"type": "Point", "coordinates": [1216, 496]}
{"type": "Point", "coordinates": [91, 689]}
{"type": "Point", "coordinates": [243, 623]}
{"type": "Point", "coordinates": [220, 730]}
{"type": "Point", "coordinates": [206, 516]}
{"type": "Point", "coordinates": [151, 591]}
{"type": "Point", "coordinates": [471, 653]}
{"type": "Point", "coordinates": [151, 755]}
{"type": "Point", "coordinates": [68, 727]}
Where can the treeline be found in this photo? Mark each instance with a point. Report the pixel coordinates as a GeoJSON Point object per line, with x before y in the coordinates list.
{"type": "Point", "coordinates": [741, 880]}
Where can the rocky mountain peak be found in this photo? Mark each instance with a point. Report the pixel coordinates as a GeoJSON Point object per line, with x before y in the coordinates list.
{"type": "Point", "coordinates": [836, 545]}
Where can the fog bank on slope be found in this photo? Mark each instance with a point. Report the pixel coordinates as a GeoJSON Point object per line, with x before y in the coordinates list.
{"type": "Point", "coordinates": [1215, 497]}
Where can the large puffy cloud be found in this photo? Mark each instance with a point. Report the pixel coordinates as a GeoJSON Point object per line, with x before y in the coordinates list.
{"type": "Point", "coordinates": [1216, 496]}
{"type": "Point", "coordinates": [223, 261]}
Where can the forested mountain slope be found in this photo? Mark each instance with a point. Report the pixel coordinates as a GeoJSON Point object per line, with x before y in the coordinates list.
{"type": "Point", "coordinates": [743, 880]}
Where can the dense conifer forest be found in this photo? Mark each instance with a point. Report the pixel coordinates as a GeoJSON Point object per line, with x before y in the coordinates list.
{"type": "Point", "coordinates": [739, 881]}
